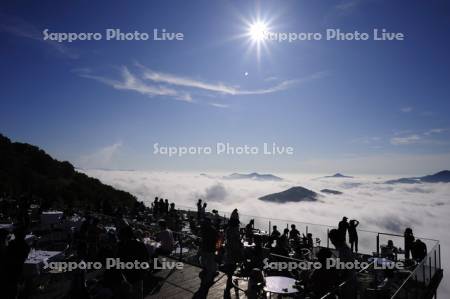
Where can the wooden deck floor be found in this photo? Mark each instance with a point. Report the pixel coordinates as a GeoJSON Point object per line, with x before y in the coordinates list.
{"type": "Point", "coordinates": [184, 283]}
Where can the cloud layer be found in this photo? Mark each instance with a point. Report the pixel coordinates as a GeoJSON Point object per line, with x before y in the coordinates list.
{"type": "Point", "coordinates": [379, 207]}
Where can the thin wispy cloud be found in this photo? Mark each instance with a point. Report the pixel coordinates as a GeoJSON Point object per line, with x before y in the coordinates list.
{"type": "Point", "coordinates": [347, 6]}
{"type": "Point", "coordinates": [405, 140]}
{"type": "Point", "coordinates": [21, 28]}
{"type": "Point", "coordinates": [367, 139]}
{"type": "Point", "coordinates": [435, 131]}
{"type": "Point", "coordinates": [424, 137]}
{"type": "Point", "coordinates": [102, 157]}
{"type": "Point", "coordinates": [217, 105]}
{"type": "Point", "coordinates": [131, 82]}
{"type": "Point", "coordinates": [154, 83]}
{"type": "Point", "coordinates": [406, 109]}
{"type": "Point", "coordinates": [160, 77]}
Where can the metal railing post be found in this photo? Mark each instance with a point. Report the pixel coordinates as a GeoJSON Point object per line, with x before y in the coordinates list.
{"type": "Point", "coordinates": [439, 247]}
{"type": "Point", "coordinates": [417, 290]}
{"type": "Point", "coordinates": [328, 238]}
{"type": "Point", "coordinates": [435, 261]}
{"type": "Point", "coordinates": [423, 271]}
{"type": "Point", "coordinates": [269, 227]}
{"type": "Point", "coordinates": [181, 246]}
{"type": "Point", "coordinates": [378, 244]}
{"type": "Point", "coordinates": [429, 261]}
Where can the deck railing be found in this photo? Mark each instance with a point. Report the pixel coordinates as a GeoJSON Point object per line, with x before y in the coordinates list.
{"type": "Point", "coordinates": [370, 243]}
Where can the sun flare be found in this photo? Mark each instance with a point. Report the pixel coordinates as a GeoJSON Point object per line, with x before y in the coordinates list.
{"type": "Point", "coordinates": [257, 31]}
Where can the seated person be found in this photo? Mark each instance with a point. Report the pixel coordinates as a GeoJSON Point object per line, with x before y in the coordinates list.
{"type": "Point", "coordinates": [294, 234]}
{"type": "Point", "coordinates": [322, 280]}
{"type": "Point", "coordinates": [419, 250]}
{"type": "Point", "coordinates": [273, 236]}
{"type": "Point", "coordinates": [389, 251]}
{"type": "Point", "coordinates": [282, 247]}
{"type": "Point", "coordinates": [309, 239]}
{"type": "Point", "coordinates": [256, 255]}
{"type": "Point", "coordinates": [193, 225]}
{"type": "Point", "coordinates": [285, 238]}
{"type": "Point", "coordinates": [165, 236]}
{"type": "Point", "coordinates": [249, 231]}
{"type": "Point", "coordinates": [255, 284]}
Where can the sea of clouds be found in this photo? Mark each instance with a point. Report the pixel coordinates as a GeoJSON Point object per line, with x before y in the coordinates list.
{"type": "Point", "coordinates": [378, 206]}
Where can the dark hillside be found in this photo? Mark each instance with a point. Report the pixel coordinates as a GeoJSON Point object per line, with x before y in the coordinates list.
{"type": "Point", "coordinates": [28, 172]}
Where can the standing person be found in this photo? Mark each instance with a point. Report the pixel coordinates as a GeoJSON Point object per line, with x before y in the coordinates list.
{"type": "Point", "coordinates": [353, 235]}
{"type": "Point", "coordinates": [233, 253]}
{"type": "Point", "coordinates": [342, 228]}
{"type": "Point", "coordinates": [207, 259]}
{"type": "Point", "coordinates": [235, 215]}
{"type": "Point", "coordinates": [409, 242]}
{"type": "Point", "coordinates": [155, 207]}
{"type": "Point", "coordinates": [166, 206]}
{"type": "Point", "coordinates": [131, 250]}
{"type": "Point", "coordinates": [161, 207]}
{"type": "Point", "coordinates": [199, 209]}
{"type": "Point", "coordinates": [16, 254]}
{"type": "Point", "coordinates": [217, 221]}
{"type": "Point", "coordinates": [203, 210]}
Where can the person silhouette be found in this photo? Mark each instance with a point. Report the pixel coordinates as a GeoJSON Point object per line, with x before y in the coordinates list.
{"type": "Point", "coordinates": [207, 258]}
{"type": "Point", "coordinates": [16, 254]}
{"type": "Point", "coordinates": [294, 234]}
{"type": "Point", "coordinates": [342, 228]}
{"type": "Point", "coordinates": [353, 235]}
{"type": "Point", "coordinates": [199, 209]}
{"type": "Point", "coordinates": [233, 253]}
{"type": "Point", "coordinates": [409, 241]}
{"type": "Point", "coordinates": [345, 255]}
{"type": "Point", "coordinates": [419, 250]}
{"type": "Point", "coordinates": [131, 250]}
{"type": "Point", "coordinates": [235, 215]}
{"type": "Point", "coordinates": [274, 235]}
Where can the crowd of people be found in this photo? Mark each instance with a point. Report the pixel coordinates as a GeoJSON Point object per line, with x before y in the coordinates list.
{"type": "Point", "coordinates": [224, 245]}
{"type": "Point", "coordinates": [246, 248]}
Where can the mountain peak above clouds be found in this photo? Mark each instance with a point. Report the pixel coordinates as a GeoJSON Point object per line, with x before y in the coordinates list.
{"type": "Point", "coordinates": [253, 176]}
{"type": "Point", "coordinates": [294, 194]}
{"type": "Point", "coordinates": [339, 175]}
{"type": "Point", "coordinates": [439, 177]}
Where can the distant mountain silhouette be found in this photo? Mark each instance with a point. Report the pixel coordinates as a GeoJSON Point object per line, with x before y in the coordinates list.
{"type": "Point", "coordinates": [404, 181]}
{"type": "Point", "coordinates": [439, 177]}
{"type": "Point", "coordinates": [253, 176]}
{"type": "Point", "coordinates": [330, 191]}
{"type": "Point", "coordinates": [339, 175]}
{"type": "Point", "coordinates": [27, 171]}
{"type": "Point", "coordinates": [207, 175]}
{"type": "Point", "coordinates": [294, 194]}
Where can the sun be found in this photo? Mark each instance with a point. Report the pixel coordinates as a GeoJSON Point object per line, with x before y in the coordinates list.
{"type": "Point", "coordinates": [257, 31]}
{"type": "Point", "coordinates": [256, 34]}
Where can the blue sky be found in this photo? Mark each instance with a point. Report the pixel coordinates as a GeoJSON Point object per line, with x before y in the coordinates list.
{"type": "Point", "coordinates": [353, 106]}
